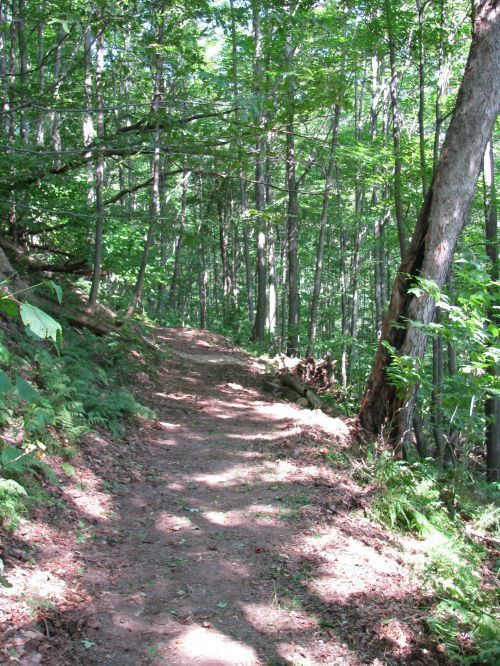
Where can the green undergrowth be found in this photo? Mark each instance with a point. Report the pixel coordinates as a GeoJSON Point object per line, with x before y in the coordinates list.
{"type": "Point", "coordinates": [458, 520]}
{"type": "Point", "coordinates": [49, 398]}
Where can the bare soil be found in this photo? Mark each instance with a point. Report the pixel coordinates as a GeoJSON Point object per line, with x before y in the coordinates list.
{"type": "Point", "coordinates": [216, 535]}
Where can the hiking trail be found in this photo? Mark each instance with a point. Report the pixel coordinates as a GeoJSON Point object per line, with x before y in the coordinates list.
{"type": "Point", "coordinates": [216, 535]}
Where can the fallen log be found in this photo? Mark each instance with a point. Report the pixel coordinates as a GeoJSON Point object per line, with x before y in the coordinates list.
{"type": "Point", "coordinates": [292, 382]}
{"type": "Point", "coordinates": [290, 394]}
{"type": "Point", "coordinates": [76, 318]}
{"type": "Point", "coordinates": [313, 399]}
{"type": "Point", "coordinates": [291, 388]}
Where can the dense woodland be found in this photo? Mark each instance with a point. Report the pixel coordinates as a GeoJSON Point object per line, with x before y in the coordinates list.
{"type": "Point", "coordinates": [312, 179]}
{"type": "Point", "coordinates": [259, 168]}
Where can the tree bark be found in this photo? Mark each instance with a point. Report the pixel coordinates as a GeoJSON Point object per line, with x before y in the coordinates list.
{"type": "Point", "coordinates": [155, 208]}
{"type": "Point", "coordinates": [259, 326]}
{"type": "Point", "coordinates": [292, 212]}
{"type": "Point", "coordinates": [492, 402]}
{"type": "Point", "coordinates": [421, 94]}
{"type": "Point", "coordinates": [313, 317]}
{"type": "Point", "coordinates": [99, 174]}
{"type": "Point", "coordinates": [438, 227]}
{"type": "Point", "coordinates": [396, 129]}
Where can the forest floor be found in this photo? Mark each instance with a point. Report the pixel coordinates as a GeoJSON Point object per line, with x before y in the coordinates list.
{"type": "Point", "coordinates": [216, 535]}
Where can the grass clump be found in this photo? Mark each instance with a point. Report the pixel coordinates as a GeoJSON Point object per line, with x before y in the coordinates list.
{"type": "Point", "coordinates": [458, 517]}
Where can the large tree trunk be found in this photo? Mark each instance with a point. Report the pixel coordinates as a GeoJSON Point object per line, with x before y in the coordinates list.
{"type": "Point", "coordinates": [443, 215]}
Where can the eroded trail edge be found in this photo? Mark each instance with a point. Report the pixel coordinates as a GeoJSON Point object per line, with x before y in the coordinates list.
{"type": "Point", "coordinates": [217, 534]}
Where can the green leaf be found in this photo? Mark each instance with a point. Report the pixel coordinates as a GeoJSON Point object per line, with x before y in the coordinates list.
{"type": "Point", "coordinates": [8, 305]}
{"type": "Point", "coordinates": [5, 383]}
{"type": "Point", "coordinates": [26, 391]}
{"type": "Point", "coordinates": [4, 353]}
{"type": "Point", "coordinates": [14, 459]}
{"type": "Point", "coordinates": [222, 604]}
{"type": "Point", "coordinates": [40, 323]}
{"type": "Point", "coordinates": [88, 644]}
{"type": "Point", "coordinates": [56, 289]}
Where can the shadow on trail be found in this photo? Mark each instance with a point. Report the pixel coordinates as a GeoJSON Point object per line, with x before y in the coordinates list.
{"type": "Point", "coordinates": [229, 543]}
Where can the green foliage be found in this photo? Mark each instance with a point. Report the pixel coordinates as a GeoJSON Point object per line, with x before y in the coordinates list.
{"type": "Point", "coordinates": [13, 498]}
{"type": "Point", "coordinates": [78, 388]}
{"type": "Point", "coordinates": [444, 509]}
{"type": "Point", "coordinates": [403, 372]}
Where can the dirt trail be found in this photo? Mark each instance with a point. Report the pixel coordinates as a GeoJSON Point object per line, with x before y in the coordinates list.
{"type": "Point", "coordinates": [216, 535]}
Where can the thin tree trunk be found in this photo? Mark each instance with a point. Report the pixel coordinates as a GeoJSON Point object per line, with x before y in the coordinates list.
{"type": "Point", "coordinates": [99, 176]}
{"type": "Point", "coordinates": [54, 118]}
{"type": "Point", "coordinates": [353, 326]}
{"type": "Point", "coordinates": [3, 68]}
{"type": "Point", "coordinates": [421, 94]}
{"type": "Point", "coordinates": [13, 222]}
{"type": "Point", "coordinates": [88, 123]}
{"type": "Point", "coordinates": [23, 67]}
{"type": "Point", "coordinates": [439, 88]}
{"type": "Point", "coordinates": [243, 185]}
{"type": "Point", "coordinates": [246, 250]}
{"type": "Point", "coordinates": [155, 207]}
{"type": "Point", "coordinates": [396, 130]}
{"type": "Point", "coordinates": [492, 402]}
{"type": "Point", "coordinates": [259, 326]}
{"type": "Point", "coordinates": [440, 222]}
{"type": "Point", "coordinates": [178, 245]}
{"type": "Point", "coordinates": [292, 212]}
{"type": "Point", "coordinates": [40, 124]}
{"type": "Point", "coordinates": [437, 395]}
{"type": "Point", "coordinates": [313, 317]}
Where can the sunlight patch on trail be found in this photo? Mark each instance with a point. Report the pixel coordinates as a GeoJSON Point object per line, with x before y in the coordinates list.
{"type": "Point", "coordinates": [167, 522]}
{"type": "Point", "coordinates": [229, 478]}
{"type": "Point", "coordinates": [210, 647]}
{"type": "Point", "coordinates": [254, 514]}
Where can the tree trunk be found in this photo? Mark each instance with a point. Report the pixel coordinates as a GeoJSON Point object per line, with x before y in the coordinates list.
{"type": "Point", "coordinates": [154, 208]}
{"type": "Point", "coordinates": [292, 213]}
{"type": "Point", "coordinates": [353, 325]}
{"type": "Point", "coordinates": [396, 130]}
{"type": "Point", "coordinates": [259, 326]}
{"type": "Point", "coordinates": [492, 402]}
{"type": "Point", "coordinates": [313, 317]}
{"type": "Point", "coordinates": [243, 185]}
{"type": "Point", "coordinates": [23, 66]}
{"type": "Point", "coordinates": [437, 395]}
{"type": "Point", "coordinates": [3, 68]}
{"type": "Point", "coordinates": [54, 118]}
{"type": "Point", "coordinates": [421, 95]}
{"type": "Point", "coordinates": [88, 123]}
{"type": "Point", "coordinates": [178, 245]}
{"type": "Point", "coordinates": [439, 88]}
{"type": "Point", "coordinates": [40, 124]}
{"type": "Point", "coordinates": [271, 252]}
{"type": "Point", "coordinates": [99, 174]}
{"type": "Point", "coordinates": [438, 227]}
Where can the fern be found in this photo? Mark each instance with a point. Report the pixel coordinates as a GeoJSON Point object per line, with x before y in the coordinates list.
{"type": "Point", "coordinates": [13, 499]}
